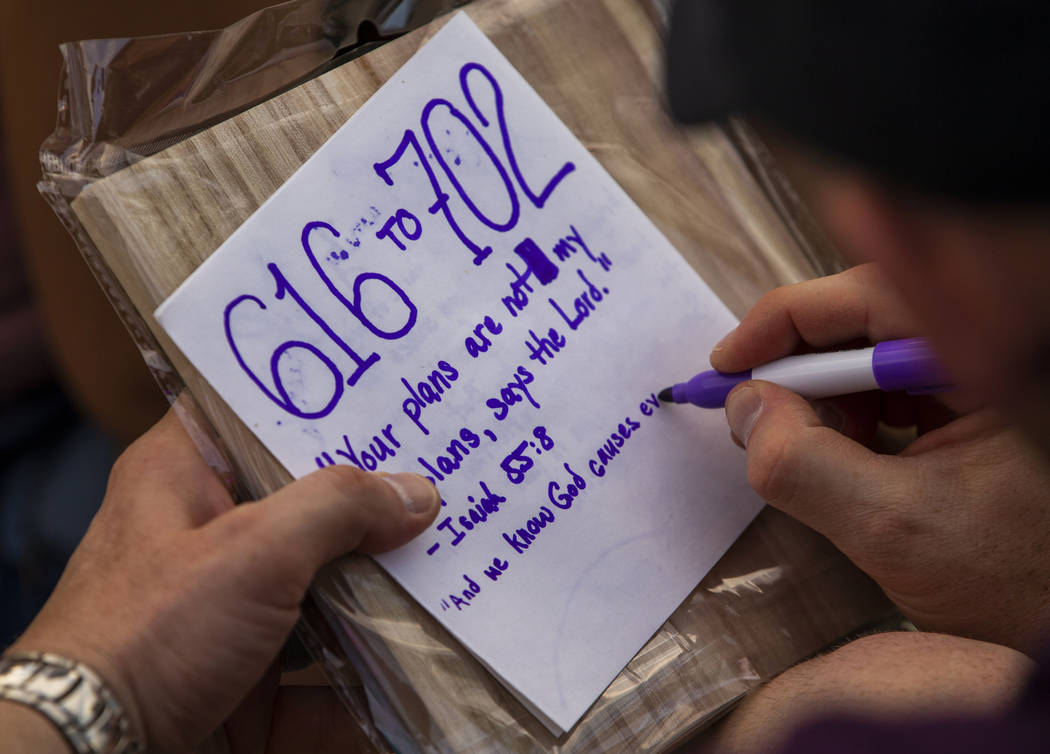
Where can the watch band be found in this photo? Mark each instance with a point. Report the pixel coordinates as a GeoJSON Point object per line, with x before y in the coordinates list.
{"type": "Point", "coordinates": [73, 697]}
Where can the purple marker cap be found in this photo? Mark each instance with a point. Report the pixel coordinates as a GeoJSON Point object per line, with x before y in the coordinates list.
{"type": "Point", "coordinates": [708, 389]}
{"type": "Point", "coordinates": [907, 364]}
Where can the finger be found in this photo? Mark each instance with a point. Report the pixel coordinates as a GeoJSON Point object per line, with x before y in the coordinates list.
{"type": "Point", "coordinates": [856, 416]}
{"type": "Point", "coordinates": [824, 479]}
{"type": "Point", "coordinates": [933, 414]}
{"type": "Point", "coordinates": [964, 430]}
{"type": "Point", "coordinates": [857, 303]}
{"type": "Point", "coordinates": [324, 515]}
{"type": "Point", "coordinates": [900, 409]}
{"type": "Point", "coordinates": [162, 477]}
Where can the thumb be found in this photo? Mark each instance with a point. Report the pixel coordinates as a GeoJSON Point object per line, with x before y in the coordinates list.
{"type": "Point", "coordinates": [811, 472]}
{"type": "Point", "coordinates": [342, 508]}
{"type": "Point", "coordinates": [329, 513]}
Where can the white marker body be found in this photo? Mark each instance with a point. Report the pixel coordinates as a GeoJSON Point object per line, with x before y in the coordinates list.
{"type": "Point", "coordinates": [822, 375]}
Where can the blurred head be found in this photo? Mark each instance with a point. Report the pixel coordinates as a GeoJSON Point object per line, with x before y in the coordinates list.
{"type": "Point", "coordinates": [915, 131]}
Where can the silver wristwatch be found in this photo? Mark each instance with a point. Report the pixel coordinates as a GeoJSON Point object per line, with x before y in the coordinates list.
{"type": "Point", "coordinates": [72, 697]}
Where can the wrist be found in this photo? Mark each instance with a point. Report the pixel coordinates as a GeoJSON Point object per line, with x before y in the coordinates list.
{"type": "Point", "coordinates": [26, 730]}
{"type": "Point", "coordinates": [74, 694]}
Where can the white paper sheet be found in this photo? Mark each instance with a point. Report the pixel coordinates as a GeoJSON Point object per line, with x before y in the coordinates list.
{"type": "Point", "coordinates": [453, 286]}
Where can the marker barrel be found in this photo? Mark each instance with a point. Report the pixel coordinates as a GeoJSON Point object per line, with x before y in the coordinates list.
{"type": "Point", "coordinates": [822, 375]}
{"type": "Point", "coordinates": [907, 364]}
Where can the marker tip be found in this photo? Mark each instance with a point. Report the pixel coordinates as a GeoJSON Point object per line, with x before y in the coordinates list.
{"type": "Point", "coordinates": [665, 395]}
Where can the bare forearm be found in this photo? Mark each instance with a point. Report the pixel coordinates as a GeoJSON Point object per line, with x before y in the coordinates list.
{"type": "Point", "coordinates": [26, 731]}
{"type": "Point", "coordinates": [891, 676]}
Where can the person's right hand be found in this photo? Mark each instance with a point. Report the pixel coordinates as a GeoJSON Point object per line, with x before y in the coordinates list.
{"type": "Point", "coordinates": [955, 529]}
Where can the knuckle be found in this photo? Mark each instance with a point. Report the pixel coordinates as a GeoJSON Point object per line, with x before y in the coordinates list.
{"type": "Point", "coordinates": [863, 273]}
{"type": "Point", "coordinates": [119, 471]}
{"type": "Point", "coordinates": [771, 467]}
{"type": "Point", "coordinates": [891, 532]}
{"type": "Point", "coordinates": [777, 299]}
{"type": "Point", "coordinates": [889, 528]}
{"type": "Point", "coordinates": [127, 476]}
{"type": "Point", "coordinates": [131, 465]}
{"type": "Point", "coordinates": [127, 463]}
{"type": "Point", "coordinates": [358, 500]}
{"type": "Point", "coordinates": [248, 522]}
{"type": "Point", "coordinates": [297, 569]}
{"type": "Point", "coordinates": [251, 525]}
{"type": "Point", "coordinates": [346, 480]}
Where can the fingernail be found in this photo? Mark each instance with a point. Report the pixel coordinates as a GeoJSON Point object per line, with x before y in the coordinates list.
{"type": "Point", "coordinates": [418, 495]}
{"type": "Point", "coordinates": [742, 410]}
{"type": "Point", "coordinates": [830, 416]}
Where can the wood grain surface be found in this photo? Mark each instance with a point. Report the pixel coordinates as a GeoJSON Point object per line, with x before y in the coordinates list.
{"type": "Point", "coordinates": [779, 595]}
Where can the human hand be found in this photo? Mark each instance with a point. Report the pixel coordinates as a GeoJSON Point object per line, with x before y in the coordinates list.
{"type": "Point", "coordinates": [954, 528]}
{"type": "Point", "coordinates": [182, 601]}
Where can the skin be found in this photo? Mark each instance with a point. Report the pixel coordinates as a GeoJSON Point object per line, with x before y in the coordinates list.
{"type": "Point", "coordinates": [953, 528]}
{"type": "Point", "coordinates": [950, 528]}
{"type": "Point", "coordinates": [959, 514]}
{"type": "Point", "coordinates": [191, 647]}
{"type": "Point", "coordinates": [890, 676]}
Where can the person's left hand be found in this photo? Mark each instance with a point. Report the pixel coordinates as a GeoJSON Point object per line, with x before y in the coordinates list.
{"type": "Point", "coordinates": [182, 601]}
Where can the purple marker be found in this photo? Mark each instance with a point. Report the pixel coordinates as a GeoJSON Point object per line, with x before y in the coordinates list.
{"type": "Point", "coordinates": [908, 364]}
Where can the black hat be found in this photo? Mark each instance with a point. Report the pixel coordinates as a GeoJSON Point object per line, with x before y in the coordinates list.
{"type": "Point", "coordinates": [950, 97]}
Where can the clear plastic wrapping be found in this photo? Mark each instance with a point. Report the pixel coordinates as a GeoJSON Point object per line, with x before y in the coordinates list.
{"type": "Point", "coordinates": [147, 126]}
